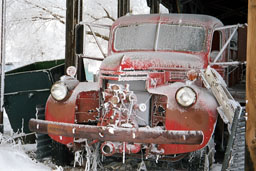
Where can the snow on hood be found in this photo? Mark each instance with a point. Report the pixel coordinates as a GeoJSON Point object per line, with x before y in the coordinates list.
{"type": "Point", "coordinates": [151, 61]}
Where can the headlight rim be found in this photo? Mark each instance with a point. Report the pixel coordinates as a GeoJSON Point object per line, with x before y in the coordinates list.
{"type": "Point", "coordinates": [66, 91]}
{"type": "Point", "coordinates": [194, 101]}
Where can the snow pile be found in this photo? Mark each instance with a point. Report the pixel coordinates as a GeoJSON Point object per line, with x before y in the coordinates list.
{"type": "Point", "coordinates": [13, 156]}
{"type": "Point", "coordinates": [216, 167]}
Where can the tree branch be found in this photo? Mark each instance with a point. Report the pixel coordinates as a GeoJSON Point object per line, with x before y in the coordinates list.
{"type": "Point", "coordinates": [108, 16]}
{"type": "Point", "coordinates": [98, 35]}
{"type": "Point", "coordinates": [54, 15]}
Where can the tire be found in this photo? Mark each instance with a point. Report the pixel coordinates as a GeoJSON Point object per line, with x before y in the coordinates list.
{"type": "Point", "coordinates": [203, 159]}
{"type": "Point", "coordinates": [237, 162]}
{"type": "Point", "coordinates": [61, 155]}
{"type": "Point", "coordinates": [43, 141]}
{"type": "Point", "coordinates": [46, 147]}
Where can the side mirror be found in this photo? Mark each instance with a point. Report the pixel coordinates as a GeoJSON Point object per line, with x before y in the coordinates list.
{"type": "Point", "coordinates": [79, 39]}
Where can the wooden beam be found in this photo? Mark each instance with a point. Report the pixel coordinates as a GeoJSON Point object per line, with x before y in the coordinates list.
{"type": "Point", "coordinates": [73, 16]}
{"type": "Point", "coordinates": [154, 8]}
{"type": "Point", "coordinates": [2, 60]}
{"type": "Point", "coordinates": [251, 82]}
{"type": "Point", "coordinates": [123, 7]}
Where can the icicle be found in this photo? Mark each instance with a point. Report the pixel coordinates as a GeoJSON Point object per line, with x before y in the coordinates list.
{"type": "Point", "coordinates": [22, 128]}
{"type": "Point", "coordinates": [123, 152]}
{"type": "Point", "coordinates": [142, 166]}
{"type": "Point", "coordinates": [36, 113]}
{"type": "Point", "coordinates": [157, 157]}
{"type": "Point", "coordinates": [133, 135]}
{"type": "Point", "coordinates": [78, 158]}
{"type": "Point", "coordinates": [58, 168]}
{"type": "Point", "coordinates": [92, 157]}
{"type": "Point", "coordinates": [88, 157]}
{"type": "Point", "coordinates": [96, 158]}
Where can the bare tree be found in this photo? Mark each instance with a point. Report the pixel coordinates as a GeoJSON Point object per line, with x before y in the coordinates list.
{"type": "Point", "coordinates": [36, 28]}
{"type": "Point", "coordinates": [54, 16]}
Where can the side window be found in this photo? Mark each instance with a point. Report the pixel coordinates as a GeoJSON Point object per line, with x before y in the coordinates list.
{"type": "Point", "coordinates": [216, 45]}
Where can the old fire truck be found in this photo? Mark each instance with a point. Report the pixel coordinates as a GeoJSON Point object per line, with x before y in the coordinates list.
{"type": "Point", "coordinates": [149, 100]}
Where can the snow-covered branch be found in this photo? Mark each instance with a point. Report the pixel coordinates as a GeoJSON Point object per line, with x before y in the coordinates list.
{"type": "Point", "coordinates": [54, 15]}
{"type": "Point", "coordinates": [107, 16]}
{"type": "Point", "coordinates": [98, 35]}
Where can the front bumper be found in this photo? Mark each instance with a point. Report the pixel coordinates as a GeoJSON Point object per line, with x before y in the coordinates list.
{"type": "Point", "coordinates": [117, 134]}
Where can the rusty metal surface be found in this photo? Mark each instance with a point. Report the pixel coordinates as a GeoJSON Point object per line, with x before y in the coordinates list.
{"type": "Point", "coordinates": [102, 133]}
{"type": "Point", "coordinates": [65, 111]}
{"type": "Point", "coordinates": [201, 116]}
{"type": "Point", "coordinates": [159, 110]}
{"type": "Point", "coordinates": [87, 104]}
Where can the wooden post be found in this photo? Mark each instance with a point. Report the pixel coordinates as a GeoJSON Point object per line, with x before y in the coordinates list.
{"type": "Point", "coordinates": [2, 61]}
{"type": "Point", "coordinates": [73, 16]}
{"type": "Point", "coordinates": [251, 82]}
{"type": "Point", "coordinates": [154, 6]}
{"type": "Point", "coordinates": [123, 7]}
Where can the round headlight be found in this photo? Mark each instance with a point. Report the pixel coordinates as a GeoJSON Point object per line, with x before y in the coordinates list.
{"type": "Point", "coordinates": [185, 96]}
{"type": "Point", "coordinates": [59, 91]}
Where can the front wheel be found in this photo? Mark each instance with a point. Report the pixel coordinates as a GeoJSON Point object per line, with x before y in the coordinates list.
{"type": "Point", "coordinates": [61, 155]}
{"type": "Point", "coordinates": [203, 159]}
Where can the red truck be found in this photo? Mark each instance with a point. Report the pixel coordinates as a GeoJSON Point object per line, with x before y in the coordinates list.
{"type": "Point", "coordinates": [149, 99]}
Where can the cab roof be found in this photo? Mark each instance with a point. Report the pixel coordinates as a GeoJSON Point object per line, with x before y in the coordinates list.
{"type": "Point", "coordinates": [193, 19]}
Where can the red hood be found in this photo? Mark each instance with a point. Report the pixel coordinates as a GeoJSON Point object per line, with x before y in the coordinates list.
{"type": "Point", "coordinates": [151, 61]}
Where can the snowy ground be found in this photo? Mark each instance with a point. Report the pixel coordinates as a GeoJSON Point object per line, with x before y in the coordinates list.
{"type": "Point", "coordinates": [14, 156]}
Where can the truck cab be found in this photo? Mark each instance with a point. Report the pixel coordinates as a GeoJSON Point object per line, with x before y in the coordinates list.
{"type": "Point", "coordinates": [149, 97]}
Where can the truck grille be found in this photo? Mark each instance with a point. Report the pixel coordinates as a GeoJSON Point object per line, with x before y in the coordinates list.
{"type": "Point", "coordinates": [178, 75]}
{"type": "Point", "coordinates": [143, 96]}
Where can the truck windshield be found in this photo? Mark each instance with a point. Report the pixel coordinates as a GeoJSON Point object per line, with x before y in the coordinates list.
{"type": "Point", "coordinates": [165, 37]}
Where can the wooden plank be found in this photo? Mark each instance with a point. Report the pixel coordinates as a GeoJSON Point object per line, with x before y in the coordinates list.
{"type": "Point", "coordinates": [2, 60]}
{"type": "Point", "coordinates": [154, 8]}
{"type": "Point", "coordinates": [69, 49]}
{"type": "Point", "coordinates": [123, 7]}
{"type": "Point", "coordinates": [73, 17]}
{"type": "Point", "coordinates": [251, 83]}
{"type": "Point", "coordinates": [241, 44]}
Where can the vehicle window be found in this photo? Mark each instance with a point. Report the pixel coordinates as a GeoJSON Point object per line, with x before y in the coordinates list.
{"type": "Point", "coordinates": [135, 37]}
{"type": "Point", "coordinates": [171, 37]}
{"type": "Point", "coordinates": [216, 45]}
{"type": "Point", "coordinates": [181, 38]}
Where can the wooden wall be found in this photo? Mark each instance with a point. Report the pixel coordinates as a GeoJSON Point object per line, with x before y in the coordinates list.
{"type": "Point", "coordinates": [251, 82]}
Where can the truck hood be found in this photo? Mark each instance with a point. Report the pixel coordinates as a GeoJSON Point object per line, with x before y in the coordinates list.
{"type": "Point", "coordinates": [151, 61]}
